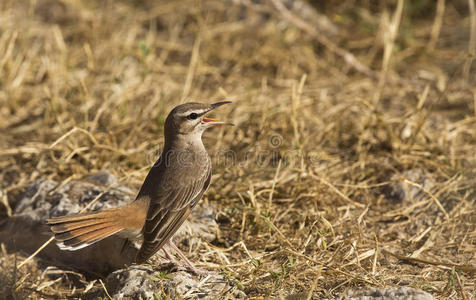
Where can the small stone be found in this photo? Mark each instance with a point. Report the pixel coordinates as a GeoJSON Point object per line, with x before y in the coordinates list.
{"type": "Point", "coordinates": [400, 191]}
{"type": "Point", "coordinates": [386, 293]}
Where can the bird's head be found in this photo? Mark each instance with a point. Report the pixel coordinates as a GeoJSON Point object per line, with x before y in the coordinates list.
{"type": "Point", "coordinates": [189, 118]}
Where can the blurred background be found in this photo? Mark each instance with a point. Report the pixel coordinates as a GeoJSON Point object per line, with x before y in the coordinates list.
{"type": "Point", "coordinates": [354, 144]}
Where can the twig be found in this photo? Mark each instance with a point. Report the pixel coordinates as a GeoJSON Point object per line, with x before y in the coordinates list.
{"type": "Point", "coordinates": [374, 264]}
{"type": "Point", "coordinates": [4, 201]}
{"type": "Point", "coordinates": [336, 190]}
{"type": "Point", "coordinates": [314, 284]}
{"type": "Point", "coordinates": [465, 268]}
{"type": "Point", "coordinates": [36, 252]}
{"type": "Point", "coordinates": [329, 267]}
{"type": "Point", "coordinates": [33, 149]}
{"type": "Point", "coordinates": [463, 295]}
{"type": "Point", "coordinates": [271, 224]}
{"type": "Point", "coordinates": [191, 68]}
{"type": "Point", "coordinates": [348, 57]}
{"type": "Point", "coordinates": [438, 203]}
{"type": "Point", "coordinates": [389, 36]}
{"type": "Point", "coordinates": [61, 138]}
{"type": "Point", "coordinates": [472, 40]}
{"type": "Point", "coordinates": [273, 186]}
{"type": "Point", "coordinates": [196, 288]}
{"type": "Point", "coordinates": [96, 199]}
{"type": "Point", "coordinates": [9, 51]}
{"type": "Point", "coordinates": [435, 29]}
{"type": "Point", "coordinates": [105, 290]}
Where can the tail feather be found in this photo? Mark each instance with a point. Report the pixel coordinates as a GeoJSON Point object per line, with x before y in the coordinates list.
{"type": "Point", "coordinates": [79, 217]}
{"type": "Point", "coordinates": [60, 228]}
{"type": "Point", "coordinates": [79, 231]}
{"type": "Point", "coordinates": [78, 242]}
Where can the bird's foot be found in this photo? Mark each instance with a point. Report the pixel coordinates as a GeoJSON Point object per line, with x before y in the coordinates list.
{"type": "Point", "coordinates": [198, 271]}
{"type": "Point", "coordinates": [187, 266]}
{"type": "Point", "coordinates": [174, 266]}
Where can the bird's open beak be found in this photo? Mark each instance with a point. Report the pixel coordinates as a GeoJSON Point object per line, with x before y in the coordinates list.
{"type": "Point", "coordinates": [214, 121]}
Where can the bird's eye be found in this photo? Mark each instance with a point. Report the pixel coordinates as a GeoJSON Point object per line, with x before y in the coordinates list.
{"type": "Point", "coordinates": [192, 116]}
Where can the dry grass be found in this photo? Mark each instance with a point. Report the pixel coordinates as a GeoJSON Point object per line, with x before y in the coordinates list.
{"type": "Point", "coordinates": [311, 199]}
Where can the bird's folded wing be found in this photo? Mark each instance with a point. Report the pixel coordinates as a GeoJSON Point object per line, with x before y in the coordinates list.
{"type": "Point", "coordinates": [167, 212]}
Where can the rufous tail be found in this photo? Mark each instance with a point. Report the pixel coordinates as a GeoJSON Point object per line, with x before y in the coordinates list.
{"type": "Point", "coordinates": [81, 230]}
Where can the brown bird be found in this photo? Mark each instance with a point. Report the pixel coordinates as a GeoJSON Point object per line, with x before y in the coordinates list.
{"type": "Point", "coordinates": [174, 185]}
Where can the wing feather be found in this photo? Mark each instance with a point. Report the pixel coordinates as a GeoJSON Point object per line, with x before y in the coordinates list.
{"type": "Point", "coordinates": [168, 212]}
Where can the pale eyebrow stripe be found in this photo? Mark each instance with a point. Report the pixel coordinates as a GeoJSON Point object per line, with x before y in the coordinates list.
{"type": "Point", "coordinates": [198, 112]}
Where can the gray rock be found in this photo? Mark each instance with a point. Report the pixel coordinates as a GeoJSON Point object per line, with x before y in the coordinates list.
{"type": "Point", "coordinates": [134, 282]}
{"type": "Point", "coordinates": [387, 293]}
{"type": "Point", "coordinates": [103, 177]}
{"type": "Point", "coordinates": [141, 282]}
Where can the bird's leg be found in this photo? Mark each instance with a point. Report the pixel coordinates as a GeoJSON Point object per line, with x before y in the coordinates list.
{"type": "Point", "coordinates": [179, 253]}
{"type": "Point", "coordinates": [169, 256]}
{"type": "Point", "coordinates": [189, 264]}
